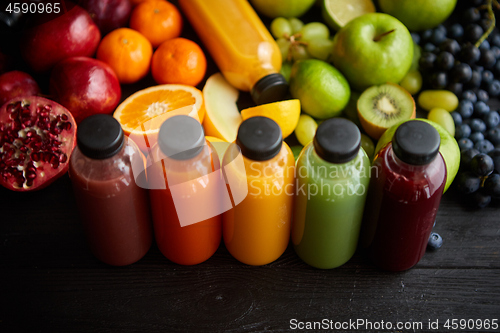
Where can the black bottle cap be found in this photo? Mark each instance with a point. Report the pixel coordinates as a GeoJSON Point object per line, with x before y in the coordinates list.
{"type": "Point", "coordinates": [270, 88]}
{"type": "Point", "coordinates": [337, 140]}
{"type": "Point", "coordinates": [416, 142]}
{"type": "Point", "coordinates": [181, 137]}
{"type": "Point", "coordinates": [99, 136]}
{"type": "Point", "coordinates": [259, 138]}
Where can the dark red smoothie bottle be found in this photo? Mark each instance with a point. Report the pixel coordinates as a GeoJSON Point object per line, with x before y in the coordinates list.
{"type": "Point", "coordinates": [113, 209]}
{"type": "Point", "coordinates": [407, 181]}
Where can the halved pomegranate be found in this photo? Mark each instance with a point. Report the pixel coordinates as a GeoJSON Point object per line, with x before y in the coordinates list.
{"type": "Point", "coordinates": [37, 137]}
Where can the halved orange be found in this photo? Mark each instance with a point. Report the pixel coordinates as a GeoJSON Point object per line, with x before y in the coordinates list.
{"type": "Point", "coordinates": [143, 112]}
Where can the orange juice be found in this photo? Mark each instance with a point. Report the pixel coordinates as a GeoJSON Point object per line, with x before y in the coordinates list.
{"type": "Point", "coordinates": [240, 44]}
{"type": "Point", "coordinates": [256, 231]}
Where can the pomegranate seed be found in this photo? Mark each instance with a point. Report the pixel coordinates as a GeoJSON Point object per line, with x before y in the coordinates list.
{"type": "Point", "coordinates": [23, 149]}
{"type": "Point", "coordinates": [46, 157]}
{"type": "Point", "coordinates": [64, 117]}
{"type": "Point", "coordinates": [30, 175]}
{"type": "Point", "coordinates": [35, 157]}
{"type": "Point", "coordinates": [63, 158]}
{"type": "Point", "coordinates": [67, 126]}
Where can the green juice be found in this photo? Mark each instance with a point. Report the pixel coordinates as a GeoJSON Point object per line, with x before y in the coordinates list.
{"type": "Point", "coordinates": [329, 203]}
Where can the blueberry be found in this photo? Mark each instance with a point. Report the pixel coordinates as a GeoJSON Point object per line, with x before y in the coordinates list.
{"type": "Point", "coordinates": [438, 80]}
{"type": "Point", "coordinates": [482, 95]}
{"type": "Point", "coordinates": [456, 31]}
{"type": "Point", "coordinates": [493, 135]}
{"type": "Point", "coordinates": [485, 23]}
{"type": "Point", "coordinates": [415, 37]}
{"type": "Point", "coordinates": [469, 54]}
{"type": "Point", "coordinates": [426, 61]}
{"type": "Point", "coordinates": [495, 39]}
{"type": "Point", "coordinates": [471, 15]}
{"type": "Point", "coordinates": [492, 185]}
{"type": "Point", "coordinates": [476, 137]}
{"type": "Point", "coordinates": [462, 131]}
{"type": "Point", "coordinates": [465, 108]}
{"type": "Point", "coordinates": [475, 80]}
{"type": "Point", "coordinates": [487, 77]}
{"type": "Point", "coordinates": [426, 35]}
{"type": "Point", "coordinates": [450, 45]}
{"type": "Point", "coordinates": [461, 73]}
{"type": "Point", "coordinates": [481, 109]}
{"type": "Point", "coordinates": [469, 95]}
{"type": "Point", "coordinates": [457, 118]}
{"type": "Point", "coordinates": [496, 51]}
{"type": "Point", "coordinates": [495, 155]}
{"type": "Point", "coordinates": [484, 146]}
{"type": "Point", "coordinates": [465, 144]}
{"type": "Point", "coordinates": [435, 242]}
{"type": "Point", "coordinates": [467, 182]}
{"type": "Point", "coordinates": [439, 35]}
{"type": "Point", "coordinates": [429, 47]}
{"type": "Point", "coordinates": [477, 125]}
{"type": "Point", "coordinates": [445, 60]}
{"type": "Point", "coordinates": [485, 45]}
{"type": "Point", "coordinates": [473, 32]}
{"type": "Point", "coordinates": [466, 156]}
{"type": "Point", "coordinates": [455, 88]}
{"type": "Point", "coordinates": [492, 119]}
{"type": "Point", "coordinates": [494, 88]}
{"type": "Point", "coordinates": [481, 199]}
{"type": "Point", "coordinates": [487, 59]}
{"type": "Point", "coordinates": [496, 69]}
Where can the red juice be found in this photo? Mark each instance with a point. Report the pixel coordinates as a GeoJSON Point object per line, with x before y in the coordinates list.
{"type": "Point", "coordinates": [401, 208]}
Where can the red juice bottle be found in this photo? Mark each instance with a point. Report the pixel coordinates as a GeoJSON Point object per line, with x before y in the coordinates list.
{"type": "Point", "coordinates": [407, 181]}
{"type": "Point", "coordinates": [114, 210]}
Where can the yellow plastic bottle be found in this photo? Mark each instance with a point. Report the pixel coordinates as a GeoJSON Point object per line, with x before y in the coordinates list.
{"type": "Point", "coordinates": [256, 230]}
{"type": "Point", "coordinates": [240, 44]}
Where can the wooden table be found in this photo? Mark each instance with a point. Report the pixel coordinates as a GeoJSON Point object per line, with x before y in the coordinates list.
{"type": "Point", "coordinates": [50, 282]}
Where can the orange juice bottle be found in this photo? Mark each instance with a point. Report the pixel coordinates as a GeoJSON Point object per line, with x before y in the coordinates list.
{"type": "Point", "coordinates": [185, 184]}
{"type": "Point", "coordinates": [256, 231]}
{"type": "Point", "coordinates": [240, 44]}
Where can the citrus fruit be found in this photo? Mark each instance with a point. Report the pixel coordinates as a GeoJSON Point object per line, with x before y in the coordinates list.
{"type": "Point", "coordinates": [285, 113]}
{"type": "Point", "coordinates": [178, 61]}
{"type": "Point", "coordinates": [222, 118]}
{"type": "Point", "coordinates": [338, 13]}
{"type": "Point", "coordinates": [324, 100]}
{"type": "Point", "coordinates": [284, 8]}
{"type": "Point", "coordinates": [219, 145]}
{"type": "Point", "coordinates": [127, 52]}
{"type": "Point", "coordinates": [143, 112]}
{"type": "Point", "coordinates": [157, 20]}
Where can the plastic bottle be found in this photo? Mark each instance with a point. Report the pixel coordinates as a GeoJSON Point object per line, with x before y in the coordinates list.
{"type": "Point", "coordinates": [256, 230]}
{"type": "Point", "coordinates": [114, 210]}
{"type": "Point", "coordinates": [408, 177]}
{"type": "Point", "coordinates": [185, 192]}
{"type": "Point", "coordinates": [333, 173]}
{"type": "Point", "coordinates": [241, 46]}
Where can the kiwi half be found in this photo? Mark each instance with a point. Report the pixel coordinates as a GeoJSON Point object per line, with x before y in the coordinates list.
{"type": "Point", "coordinates": [380, 107]}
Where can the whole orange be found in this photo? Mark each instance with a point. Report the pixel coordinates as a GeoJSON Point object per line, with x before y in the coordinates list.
{"type": "Point", "coordinates": [127, 52]}
{"type": "Point", "coordinates": [157, 20]}
{"type": "Point", "coordinates": [179, 61]}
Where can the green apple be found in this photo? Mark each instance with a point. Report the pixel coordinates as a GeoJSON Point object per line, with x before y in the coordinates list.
{"type": "Point", "coordinates": [419, 15]}
{"type": "Point", "coordinates": [282, 8]}
{"type": "Point", "coordinates": [373, 49]}
{"type": "Point", "coordinates": [322, 90]}
{"type": "Point", "coordinates": [449, 148]}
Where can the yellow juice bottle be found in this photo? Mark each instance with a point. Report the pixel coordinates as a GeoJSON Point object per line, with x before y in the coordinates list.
{"type": "Point", "coordinates": [256, 231]}
{"type": "Point", "coordinates": [240, 44]}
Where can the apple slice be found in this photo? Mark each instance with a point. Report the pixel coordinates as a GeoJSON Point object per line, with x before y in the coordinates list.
{"type": "Point", "coordinates": [222, 118]}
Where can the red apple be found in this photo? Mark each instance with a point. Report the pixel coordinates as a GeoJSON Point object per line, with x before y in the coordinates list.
{"type": "Point", "coordinates": [108, 14]}
{"type": "Point", "coordinates": [70, 33]}
{"type": "Point", "coordinates": [85, 86]}
{"type": "Point", "coordinates": [15, 84]}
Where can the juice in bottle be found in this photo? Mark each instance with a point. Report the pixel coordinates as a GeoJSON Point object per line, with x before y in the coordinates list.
{"type": "Point", "coordinates": [114, 210]}
{"type": "Point", "coordinates": [256, 231]}
{"type": "Point", "coordinates": [333, 173]}
{"type": "Point", "coordinates": [407, 181]}
{"type": "Point", "coordinates": [185, 188]}
{"type": "Point", "coordinates": [240, 44]}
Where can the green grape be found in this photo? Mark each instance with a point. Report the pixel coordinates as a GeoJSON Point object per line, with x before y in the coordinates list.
{"type": "Point", "coordinates": [306, 129]}
{"type": "Point", "coordinates": [296, 151]}
{"type": "Point", "coordinates": [314, 30]}
{"type": "Point", "coordinates": [320, 48]}
{"type": "Point", "coordinates": [299, 52]}
{"type": "Point", "coordinates": [296, 24]}
{"type": "Point", "coordinates": [417, 51]}
{"type": "Point", "coordinates": [284, 46]}
{"type": "Point", "coordinates": [368, 145]}
{"type": "Point", "coordinates": [281, 27]}
{"type": "Point", "coordinates": [286, 70]}
{"type": "Point", "coordinates": [443, 118]}
{"type": "Point", "coordinates": [430, 99]}
{"type": "Point", "coordinates": [412, 82]}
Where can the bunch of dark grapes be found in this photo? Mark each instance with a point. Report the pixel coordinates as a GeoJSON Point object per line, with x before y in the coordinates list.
{"type": "Point", "coordinates": [479, 176]}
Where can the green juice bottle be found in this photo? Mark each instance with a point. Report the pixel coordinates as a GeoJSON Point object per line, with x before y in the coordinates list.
{"type": "Point", "coordinates": [333, 173]}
